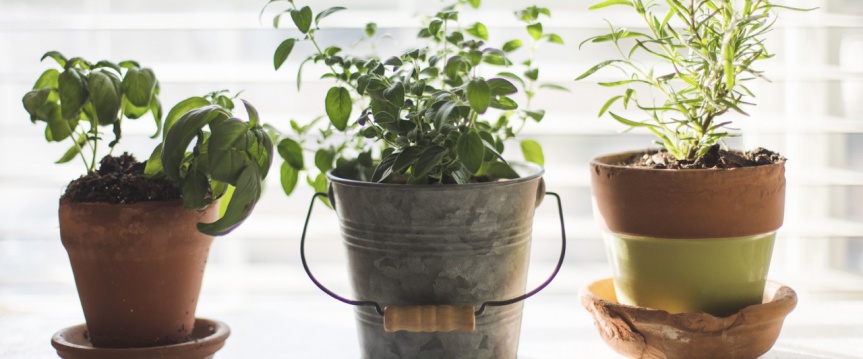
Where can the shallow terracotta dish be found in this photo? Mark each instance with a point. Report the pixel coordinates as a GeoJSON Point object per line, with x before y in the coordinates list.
{"type": "Point", "coordinates": [207, 338]}
{"type": "Point", "coordinates": [645, 333]}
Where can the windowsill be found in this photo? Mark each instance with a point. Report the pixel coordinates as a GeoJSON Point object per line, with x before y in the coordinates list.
{"type": "Point", "coordinates": [270, 307]}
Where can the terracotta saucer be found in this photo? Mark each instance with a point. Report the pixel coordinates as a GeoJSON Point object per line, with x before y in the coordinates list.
{"type": "Point", "coordinates": [207, 338]}
{"type": "Point", "coordinates": [645, 333]}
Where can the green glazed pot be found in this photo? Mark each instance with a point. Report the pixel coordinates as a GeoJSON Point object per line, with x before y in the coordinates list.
{"type": "Point", "coordinates": [688, 240]}
{"type": "Point", "coordinates": [719, 276]}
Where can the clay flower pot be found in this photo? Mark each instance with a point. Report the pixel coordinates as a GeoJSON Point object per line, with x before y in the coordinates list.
{"type": "Point", "coordinates": [644, 333]}
{"type": "Point", "coordinates": [208, 336]}
{"type": "Point", "coordinates": [688, 240]}
{"type": "Point", "coordinates": [138, 269]}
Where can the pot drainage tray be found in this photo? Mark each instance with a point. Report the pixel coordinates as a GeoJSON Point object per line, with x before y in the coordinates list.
{"type": "Point", "coordinates": [644, 333]}
{"type": "Point", "coordinates": [207, 338]}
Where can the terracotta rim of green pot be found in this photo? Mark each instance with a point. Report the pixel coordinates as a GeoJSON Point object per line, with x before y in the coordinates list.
{"type": "Point", "coordinates": [702, 203]}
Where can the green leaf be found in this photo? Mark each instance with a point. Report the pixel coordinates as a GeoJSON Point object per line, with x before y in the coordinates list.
{"type": "Point", "coordinates": [536, 115]}
{"type": "Point", "coordinates": [395, 94]}
{"type": "Point", "coordinates": [384, 170]}
{"type": "Point", "coordinates": [512, 45]}
{"type": "Point", "coordinates": [513, 77]}
{"type": "Point", "coordinates": [405, 159]}
{"type": "Point", "coordinates": [196, 188]}
{"type": "Point", "coordinates": [154, 163]}
{"type": "Point", "coordinates": [227, 150]}
{"type": "Point", "coordinates": [302, 18]}
{"type": "Point", "coordinates": [608, 3]}
{"type": "Point", "coordinates": [434, 26]}
{"type": "Point", "coordinates": [105, 94]}
{"type": "Point", "coordinates": [292, 153]}
{"type": "Point", "coordinates": [532, 152]}
{"type": "Point", "coordinates": [470, 150]}
{"type": "Point", "coordinates": [181, 108]}
{"type": "Point", "coordinates": [478, 95]}
{"type": "Point", "coordinates": [290, 176]}
{"type": "Point", "coordinates": [628, 122]}
{"type": "Point", "coordinates": [49, 79]}
{"type": "Point", "coordinates": [532, 74]}
{"type": "Point", "coordinates": [324, 160]}
{"type": "Point", "coordinates": [138, 86]}
{"type": "Point", "coordinates": [596, 68]}
{"type": "Point", "coordinates": [61, 60]}
{"type": "Point", "coordinates": [58, 128]}
{"type": "Point", "coordinates": [282, 52]}
{"type": "Point", "coordinates": [108, 64]}
{"type": "Point", "coordinates": [554, 87]}
{"type": "Point", "coordinates": [535, 30]}
{"type": "Point", "coordinates": [608, 104]}
{"type": "Point", "coordinates": [371, 28]}
{"type": "Point", "coordinates": [74, 150]}
{"type": "Point", "coordinates": [501, 170]}
{"type": "Point", "coordinates": [262, 149]}
{"type": "Point", "coordinates": [478, 30]}
{"type": "Point", "coordinates": [554, 39]}
{"type": "Point", "coordinates": [428, 160]}
{"type": "Point", "coordinates": [34, 100]}
{"type": "Point", "coordinates": [500, 86]}
{"type": "Point", "coordinates": [474, 3]}
{"type": "Point", "coordinates": [180, 135]}
{"type": "Point", "coordinates": [73, 93]}
{"type": "Point", "coordinates": [338, 105]}
{"type": "Point", "coordinates": [326, 13]}
{"type": "Point", "coordinates": [247, 192]}
{"type": "Point", "coordinates": [254, 118]}
{"type": "Point", "coordinates": [129, 64]}
{"type": "Point", "coordinates": [133, 112]}
{"type": "Point", "coordinates": [156, 111]}
{"type": "Point", "coordinates": [503, 103]}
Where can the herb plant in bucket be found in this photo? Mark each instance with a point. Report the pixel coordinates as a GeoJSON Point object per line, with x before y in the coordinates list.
{"type": "Point", "coordinates": [434, 218]}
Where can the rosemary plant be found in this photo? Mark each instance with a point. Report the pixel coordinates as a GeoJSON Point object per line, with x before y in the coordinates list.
{"type": "Point", "coordinates": [706, 51]}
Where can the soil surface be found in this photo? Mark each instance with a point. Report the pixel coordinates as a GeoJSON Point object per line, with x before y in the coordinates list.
{"type": "Point", "coordinates": [120, 180]}
{"type": "Point", "coordinates": [715, 158]}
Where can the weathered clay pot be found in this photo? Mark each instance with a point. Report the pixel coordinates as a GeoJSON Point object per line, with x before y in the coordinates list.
{"type": "Point", "coordinates": [138, 269]}
{"type": "Point", "coordinates": [644, 333]}
{"type": "Point", "coordinates": [207, 337]}
{"type": "Point", "coordinates": [688, 240]}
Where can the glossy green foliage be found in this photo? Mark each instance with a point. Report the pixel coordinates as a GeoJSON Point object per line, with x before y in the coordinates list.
{"type": "Point", "coordinates": [437, 113]}
{"type": "Point", "coordinates": [79, 100]}
{"type": "Point", "coordinates": [226, 152]}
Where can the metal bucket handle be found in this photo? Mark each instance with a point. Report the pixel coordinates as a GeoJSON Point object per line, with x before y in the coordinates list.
{"type": "Point", "coordinates": [432, 318]}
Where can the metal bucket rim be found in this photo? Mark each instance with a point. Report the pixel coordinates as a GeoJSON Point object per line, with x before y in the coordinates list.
{"type": "Point", "coordinates": [532, 170]}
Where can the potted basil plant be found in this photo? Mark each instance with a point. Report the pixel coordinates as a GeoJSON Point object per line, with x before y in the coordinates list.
{"type": "Point", "coordinates": [138, 234]}
{"type": "Point", "coordinates": [689, 226]}
{"type": "Point", "coordinates": [436, 221]}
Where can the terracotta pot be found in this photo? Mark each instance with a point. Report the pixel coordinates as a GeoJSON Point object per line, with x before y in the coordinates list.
{"type": "Point", "coordinates": [688, 240]}
{"type": "Point", "coordinates": [138, 268]}
{"type": "Point", "coordinates": [207, 337]}
{"type": "Point", "coordinates": [644, 333]}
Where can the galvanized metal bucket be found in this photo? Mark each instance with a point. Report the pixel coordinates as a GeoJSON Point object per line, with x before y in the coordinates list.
{"type": "Point", "coordinates": [439, 245]}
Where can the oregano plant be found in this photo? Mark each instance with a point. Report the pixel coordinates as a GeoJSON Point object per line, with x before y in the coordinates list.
{"type": "Point", "coordinates": [434, 114]}
{"type": "Point", "coordinates": [705, 54]}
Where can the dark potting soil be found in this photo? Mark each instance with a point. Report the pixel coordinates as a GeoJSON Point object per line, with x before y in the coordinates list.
{"type": "Point", "coordinates": [715, 158]}
{"type": "Point", "coordinates": [120, 180]}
